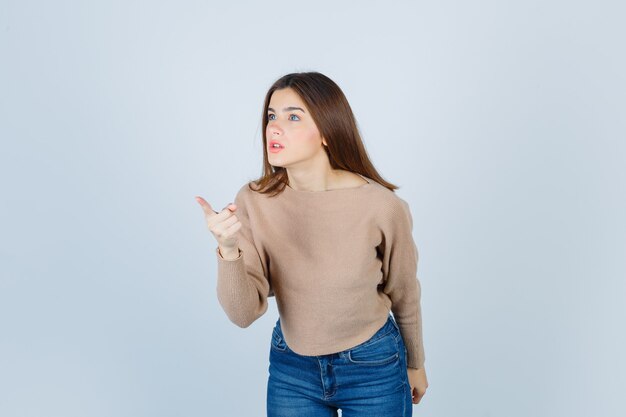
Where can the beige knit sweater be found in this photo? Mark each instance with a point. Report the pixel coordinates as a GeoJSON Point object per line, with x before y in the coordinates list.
{"type": "Point", "coordinates": [336, 262]}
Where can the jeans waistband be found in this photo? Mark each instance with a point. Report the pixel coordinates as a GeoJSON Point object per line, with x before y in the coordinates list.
{"type": "Point", "coordinates": [389, 326]}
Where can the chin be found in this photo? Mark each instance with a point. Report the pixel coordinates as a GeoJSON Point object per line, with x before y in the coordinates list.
{"type": "Point", "coordinates": [277, 162]}
{"type": "Point", "coordinates": [278, 165]}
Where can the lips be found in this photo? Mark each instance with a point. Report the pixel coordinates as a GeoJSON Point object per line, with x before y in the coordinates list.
{"type": "Point", "coordinates": [273, 149]}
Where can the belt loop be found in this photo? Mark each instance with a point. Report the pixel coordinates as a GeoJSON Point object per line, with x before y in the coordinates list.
{"type": "Point", "coordinates": [393, 320]}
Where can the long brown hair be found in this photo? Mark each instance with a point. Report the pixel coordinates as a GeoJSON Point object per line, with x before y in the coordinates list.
{"type": "Point", "coordinates": [334, 120]}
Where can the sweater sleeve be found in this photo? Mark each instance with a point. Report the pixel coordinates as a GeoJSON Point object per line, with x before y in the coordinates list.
{"type": "Point", "coordinates": [242, 283]}
{"type": "Point", "coordinates": [400, 279]}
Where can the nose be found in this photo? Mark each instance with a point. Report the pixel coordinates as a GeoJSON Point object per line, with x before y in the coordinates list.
{"type": "Point", "coordinates": [273, 129]}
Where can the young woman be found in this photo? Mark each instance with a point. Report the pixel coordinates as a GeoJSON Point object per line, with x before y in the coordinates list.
{"type": "Point", "coordinates": [325, 235]}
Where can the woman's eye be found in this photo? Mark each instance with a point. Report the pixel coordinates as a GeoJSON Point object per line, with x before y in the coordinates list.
{"type": "Point", "coordinates": [269, 116]}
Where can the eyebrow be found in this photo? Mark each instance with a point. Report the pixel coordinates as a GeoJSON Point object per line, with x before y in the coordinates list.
{"type": "Point", "coordinates": [287, 109]}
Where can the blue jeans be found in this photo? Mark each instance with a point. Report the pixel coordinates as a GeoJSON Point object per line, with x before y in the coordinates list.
{"type": "Point", "coordinates": [369, 379]}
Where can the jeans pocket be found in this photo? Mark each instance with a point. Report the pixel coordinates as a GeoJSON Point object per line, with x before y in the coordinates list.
{"type": "Point", "coordinates": [278, 342]}
{"type": "Point", "coordinates": [381, 351]}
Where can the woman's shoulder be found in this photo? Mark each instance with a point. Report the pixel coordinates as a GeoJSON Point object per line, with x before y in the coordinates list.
{"type": "Point", "coordinates": [244, 194]}
{"type": "Point", "coordinates": [384, 194]}
{"type": "Point", "coordinates": [388, 203]}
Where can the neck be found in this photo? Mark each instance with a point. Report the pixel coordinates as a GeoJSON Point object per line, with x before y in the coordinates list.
{"type": "Point", "coordinates": [314, 181]}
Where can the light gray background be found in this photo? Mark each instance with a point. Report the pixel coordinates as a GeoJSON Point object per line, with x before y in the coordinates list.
{"type": "Point", "coordinates": [503, 122]}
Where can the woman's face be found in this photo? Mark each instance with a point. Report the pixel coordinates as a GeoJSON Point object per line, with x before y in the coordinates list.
{"type": "Point", "coordinates": [291, 125]}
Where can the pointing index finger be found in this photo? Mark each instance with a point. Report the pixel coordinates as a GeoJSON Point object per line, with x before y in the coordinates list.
{"type": "Point", "coordinates": [206, 207]}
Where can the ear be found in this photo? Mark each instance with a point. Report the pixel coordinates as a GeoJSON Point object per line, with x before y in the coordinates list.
{"type": "Point", "coordinates": [324, 142]}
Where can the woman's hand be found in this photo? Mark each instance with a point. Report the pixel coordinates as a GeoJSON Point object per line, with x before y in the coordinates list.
{"type": "Point", "coordinates": [418, 382]}
{"type": "Point", "coordinates": [224, 225]}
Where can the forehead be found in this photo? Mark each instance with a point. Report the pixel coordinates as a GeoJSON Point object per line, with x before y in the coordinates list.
{"type": "Point", "coordinates": [285, 97]}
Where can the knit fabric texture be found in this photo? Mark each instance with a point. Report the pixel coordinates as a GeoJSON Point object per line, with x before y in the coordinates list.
{"type": "Point", "coordinates": [336, 261]}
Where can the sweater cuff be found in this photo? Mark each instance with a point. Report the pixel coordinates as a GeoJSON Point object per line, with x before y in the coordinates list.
{"type": "Point", "coordinates": [415, 354]}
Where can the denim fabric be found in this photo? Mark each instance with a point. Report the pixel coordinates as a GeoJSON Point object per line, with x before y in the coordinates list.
{"type": "Point", "coordinates": [369, 379]}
